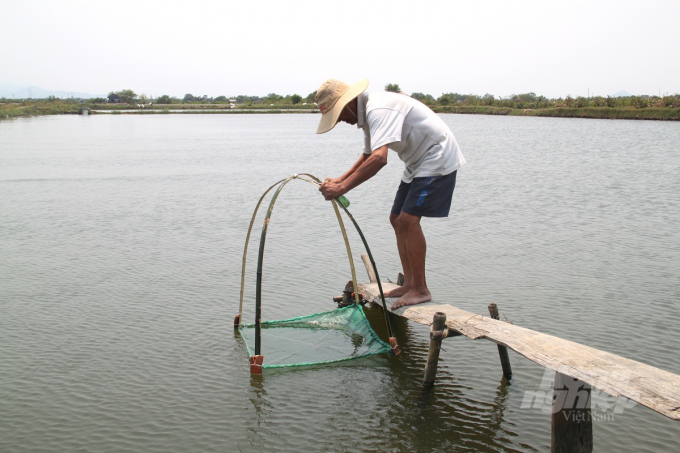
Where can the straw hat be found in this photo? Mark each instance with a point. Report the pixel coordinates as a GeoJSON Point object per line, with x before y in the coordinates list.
{"type": "Point", "coordinates": [332, 97]}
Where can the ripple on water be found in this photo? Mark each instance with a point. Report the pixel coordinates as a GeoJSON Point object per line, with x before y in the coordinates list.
{"type": "Point", "coordinates": [120, 276]}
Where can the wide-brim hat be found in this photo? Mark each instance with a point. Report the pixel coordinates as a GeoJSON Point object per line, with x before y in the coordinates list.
{"type": "Point", "coordinates": [332, 97]}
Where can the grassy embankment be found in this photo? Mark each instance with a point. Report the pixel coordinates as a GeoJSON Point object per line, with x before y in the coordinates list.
{"type": "Point", "coordinates": [58, 107]}
{"type": "Point", "coordinates": [36, 108]}
{"type": "Point", "coordinates": [627, 113]}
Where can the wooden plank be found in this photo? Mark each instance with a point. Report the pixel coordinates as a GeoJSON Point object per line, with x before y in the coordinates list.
{"type": "Point", "coordinates": [652, 387]}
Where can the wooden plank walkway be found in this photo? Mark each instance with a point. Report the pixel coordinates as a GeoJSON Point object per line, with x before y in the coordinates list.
{"type": "Point", "coordinates": [654, 388]}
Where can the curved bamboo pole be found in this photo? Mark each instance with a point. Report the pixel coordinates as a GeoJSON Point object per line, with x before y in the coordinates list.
{"type": "Point", "coordinates": [395, 347]}
{"type": "Point", "coordinates": [260, 259]}
{"type": "Point", "coordinates": [250, 229]}
{"type": "Point", "coordinates": [237, 322]}
{"type": "Point", "coordinates": [393, 339]}
{"type": "Point", "coordinates": [317, 182]}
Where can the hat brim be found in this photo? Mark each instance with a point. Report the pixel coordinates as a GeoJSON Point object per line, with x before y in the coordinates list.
{"type": "Point", "coordinates": [330, 118]}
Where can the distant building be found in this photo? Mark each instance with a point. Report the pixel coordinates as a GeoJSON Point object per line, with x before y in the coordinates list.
{"type": "Point", "coordinates": [115, 99]}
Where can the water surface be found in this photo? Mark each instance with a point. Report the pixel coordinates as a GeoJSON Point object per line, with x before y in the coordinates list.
{"type": "Point", "coordinates": [120, 262]}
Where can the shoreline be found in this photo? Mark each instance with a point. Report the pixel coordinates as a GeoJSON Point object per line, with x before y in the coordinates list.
{"type": "Point", "coordinates": [28, 109]}
{"type": "Point", "coordinates": [613, 113]}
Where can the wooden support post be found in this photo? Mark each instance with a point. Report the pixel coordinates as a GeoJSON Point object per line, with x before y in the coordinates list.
{"type": "Point", "coordinates": [437, 333]}
{"type": "Point", "coordinates": [572, 423]}
{"type": "Point", "coordinates": [369, 268]}
{"type": "Point", "coordinates": [502, 350]}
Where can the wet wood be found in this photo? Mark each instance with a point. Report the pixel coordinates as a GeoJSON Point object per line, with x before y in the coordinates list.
{"type": "Point", "coordinates": [369, 268]}
{"type": "Point", "coordinates": [436, 337]}
{"type": "Point", "coordinates": [572, 422]}
{"type": "Point", "coordinates": [652, 387]}
{"type": "Point", "coordinates": [502, 350]}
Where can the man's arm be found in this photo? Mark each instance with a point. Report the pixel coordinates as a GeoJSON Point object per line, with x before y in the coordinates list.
{"type": "Point", "coordinates": [364, 169]}
{"type": "Point", "coordinates": [349, 172]}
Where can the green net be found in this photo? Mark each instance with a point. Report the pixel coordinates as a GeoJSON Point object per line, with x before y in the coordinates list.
{"type": "Point", "coordinates": [334, 336]}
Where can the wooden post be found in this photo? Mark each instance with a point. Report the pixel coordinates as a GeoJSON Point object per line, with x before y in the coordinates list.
{"type": "Point", "coordinates": [436, 336]}
{"type": "Point", "coordinates": [502, 350]}
{"type": "Point", "coordinates": [369, 268]}
{"type": "Point", "coordinates": [572, 423]}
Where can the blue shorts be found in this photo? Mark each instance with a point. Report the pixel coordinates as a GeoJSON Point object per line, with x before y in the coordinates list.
{"type": "Point", "coordinates": [429, 196]}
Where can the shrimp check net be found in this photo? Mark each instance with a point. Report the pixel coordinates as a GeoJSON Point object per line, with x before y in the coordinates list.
{"type": "Point", "coordinates": [333, 336]}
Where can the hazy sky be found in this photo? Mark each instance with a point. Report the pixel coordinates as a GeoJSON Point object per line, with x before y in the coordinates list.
{"type": "Point", "coordinates": [553, 48]}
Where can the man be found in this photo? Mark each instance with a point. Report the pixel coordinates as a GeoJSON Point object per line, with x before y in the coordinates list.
{"type": "Point", "coordinates": [429, 151]}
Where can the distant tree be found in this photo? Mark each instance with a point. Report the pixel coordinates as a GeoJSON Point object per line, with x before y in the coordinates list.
{"type": "Point", "coordinates": [165, 99]}
{"type": "Point", "coordinates": [310, 97]}
{"type": "Point", "coordinates": [296, 99]}
{"type": "Point", "coordinates": [422, 97]}
{"type": "Point", "coordinates": [450, 98]}
{"type": "Point", "coordinates": [393, 87]}
{"type": "Point", "coordinates": [488, 99]}
{"type": "Point", "coordinates": [189, 97]}
{"type": "Point", "coordinates": [96, 100]}
{"type": "Point", "coordinates": [143, 98]}
{"type": "Point", "coordinates": [128, 96]}
{"type": "Point", "coordinates": [221, 99]}
{"type": "Point", "coordinates": [273, 98]}
{"type": "Point", "coordinates": [243, 99]}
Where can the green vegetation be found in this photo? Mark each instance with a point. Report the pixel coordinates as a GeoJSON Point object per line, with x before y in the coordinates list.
{"type": "Point", "coordinates": [651, 113]}
{"type": "Point", "coordinates": [127, 96]}
{"type": "Point", "coordinates": [527, 104]}
{"type": "Point", "coordinates": [424, 98]}
{"type": "Point", "coordinates": [50, 106]}
{"type": "Point", "coordinates": [532, 101]}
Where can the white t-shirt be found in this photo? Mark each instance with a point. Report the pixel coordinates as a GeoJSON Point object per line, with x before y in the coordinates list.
{"type": "Point", "coordinates": [420, 137]}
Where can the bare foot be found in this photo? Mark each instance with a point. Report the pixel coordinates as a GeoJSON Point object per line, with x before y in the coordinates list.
{"type": "Point", "coordinates": [412, 298]}
{"type": "Point", "coordinates": [398, 292]}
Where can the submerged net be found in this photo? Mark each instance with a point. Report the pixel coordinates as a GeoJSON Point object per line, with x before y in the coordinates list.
{"type": "Point", "coordinates": [334, 336]}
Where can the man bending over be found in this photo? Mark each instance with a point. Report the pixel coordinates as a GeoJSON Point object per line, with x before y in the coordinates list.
{"type": "Point", "coordinates": [429, 151]}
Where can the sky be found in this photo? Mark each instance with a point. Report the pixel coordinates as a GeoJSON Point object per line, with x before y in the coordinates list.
{"type": "Point", "coordinates": [552, 48]}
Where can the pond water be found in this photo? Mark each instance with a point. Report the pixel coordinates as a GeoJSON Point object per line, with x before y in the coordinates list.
{"type": "Point", "coordinates": [121, 239]}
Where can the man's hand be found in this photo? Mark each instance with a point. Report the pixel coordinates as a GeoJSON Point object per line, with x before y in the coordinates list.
{"type": "Point", "coordinates": [335, 180]}
{"type": "Point", "coordinates": [331, 189]}
{"type": "Point", "coordinates": [365, 168]}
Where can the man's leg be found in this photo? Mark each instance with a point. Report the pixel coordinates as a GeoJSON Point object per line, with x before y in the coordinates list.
{"type": "Point", "coordinates": [403, 256]}
{"type": "Point", "coordinates": [414, 239]}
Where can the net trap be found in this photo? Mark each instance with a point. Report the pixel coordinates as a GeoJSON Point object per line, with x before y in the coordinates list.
{"type": "Point", "coordinates": [334, 336]}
